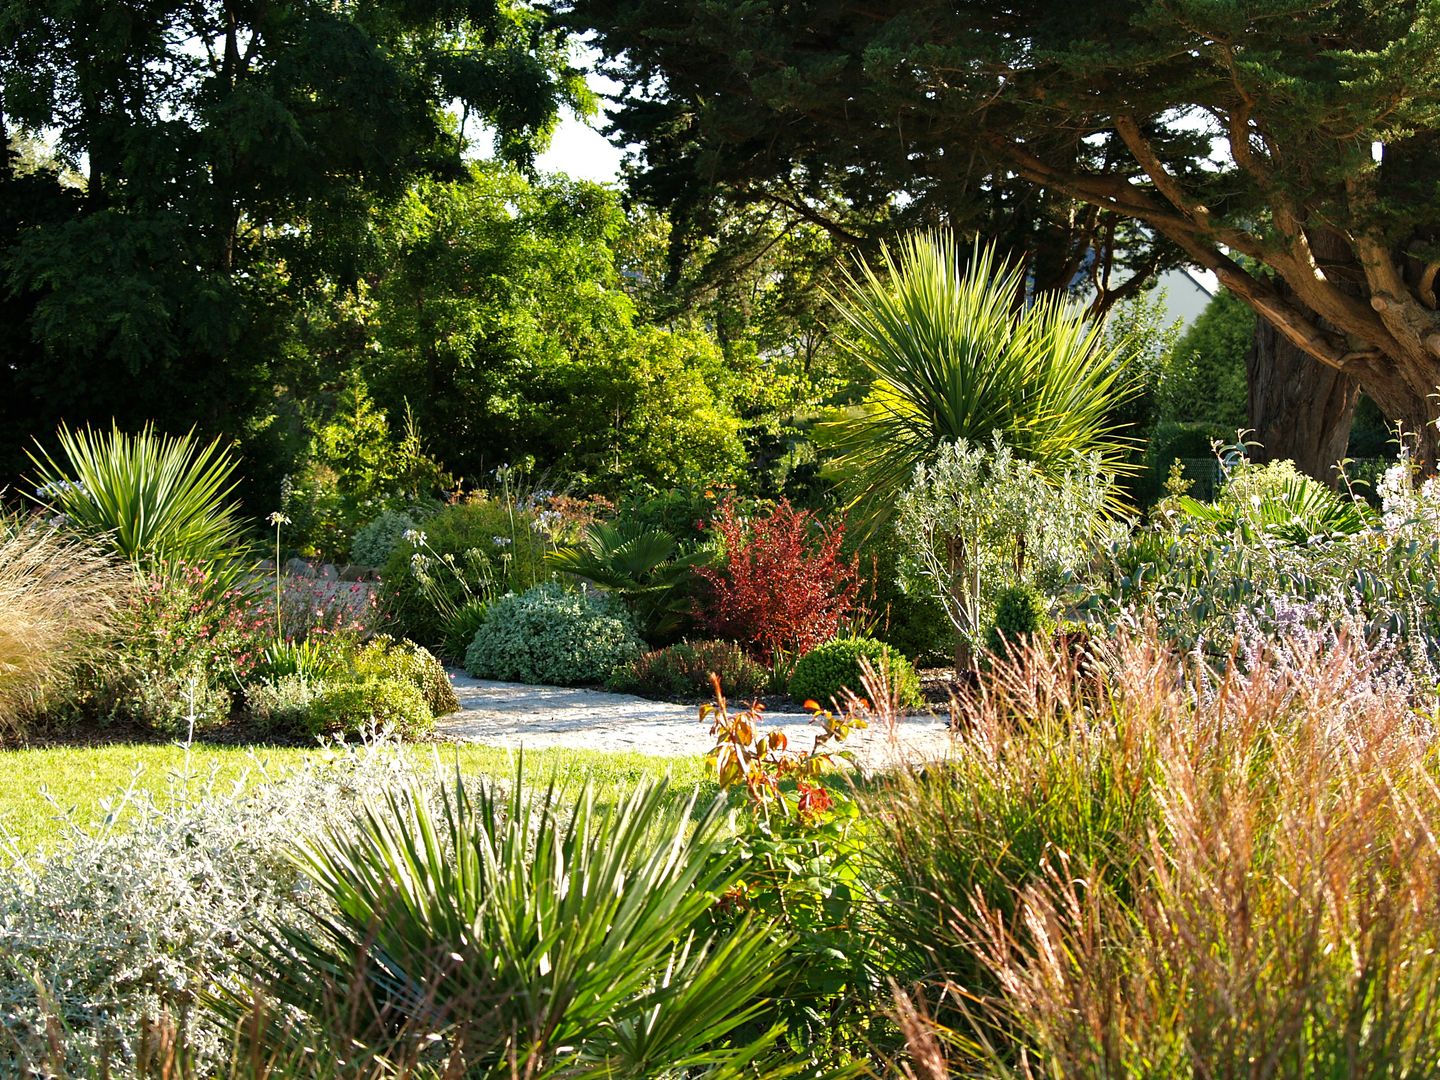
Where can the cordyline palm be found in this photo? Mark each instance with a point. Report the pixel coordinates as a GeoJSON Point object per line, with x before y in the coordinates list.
{"type": "Point", "coordinates": [952, 357]}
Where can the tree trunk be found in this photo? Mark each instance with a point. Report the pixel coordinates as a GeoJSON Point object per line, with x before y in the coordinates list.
{"type": "Point", "coordinates": [1300, 409]}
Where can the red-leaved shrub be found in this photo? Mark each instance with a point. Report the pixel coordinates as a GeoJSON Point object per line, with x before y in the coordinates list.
{"type": "Point", "coordinates": [783, 586]}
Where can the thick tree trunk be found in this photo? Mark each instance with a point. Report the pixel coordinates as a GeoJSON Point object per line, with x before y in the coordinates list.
{"type": "Point", "coordinates": [1300, 409]}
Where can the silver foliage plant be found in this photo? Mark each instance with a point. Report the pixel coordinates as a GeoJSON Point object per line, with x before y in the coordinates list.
{"type": "Point", "coordinates": [980, 518]}
{"type": "Point", "coordinates": [125, 923]}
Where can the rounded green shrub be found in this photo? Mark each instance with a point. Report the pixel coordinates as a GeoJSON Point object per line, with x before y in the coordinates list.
{"type": "Point", "coordinates": [384, 657]}
{"type": "Point", "coordinates": [298, 707]}
{"type": "Point", "coordinates": [827, 671]}
{"type": "Point", "coordinates": [1020, 614]}
{"type": "Point", "coordinates": [550, 636]}
{"type": "Point", "coordinates": [682, 672]}
{"type": "Point", "coordinates": [375, 540]}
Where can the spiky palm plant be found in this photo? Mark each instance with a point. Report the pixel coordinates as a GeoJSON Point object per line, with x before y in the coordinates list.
{"type": "Point", "coordinates": [524, 937]}
{"type": "Point", "coordinates": [153, 499]}
{"type": "Point", "coordinates": [954, 351]}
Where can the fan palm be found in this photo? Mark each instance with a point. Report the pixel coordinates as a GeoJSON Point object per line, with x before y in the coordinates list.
{"type": "Point", "coordinates": [645, 566]}
{"type": "Point", "coordinates": [953, 354]}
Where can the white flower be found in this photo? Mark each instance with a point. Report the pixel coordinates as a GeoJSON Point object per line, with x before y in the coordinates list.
{"type": "Point", "coordinates": [415, 537]}
{"type": "Point", "coordinates": [501, 541]}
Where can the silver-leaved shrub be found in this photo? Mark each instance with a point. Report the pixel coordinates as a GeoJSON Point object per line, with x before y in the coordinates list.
{"type": "Point", "coordinates": [122, 927]}
{"type": "Point", "coordinates": [553, 636]}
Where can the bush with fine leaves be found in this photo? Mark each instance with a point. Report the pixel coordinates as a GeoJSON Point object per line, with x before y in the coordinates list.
{"type": "Point", "coordinates": [130, 921]}
{"type": "Point", "coordinates": [827, 672]}
{"type": "Point", "coordinates": [550, 636]}
{"type": "Point", "coordinates": [682, 673]}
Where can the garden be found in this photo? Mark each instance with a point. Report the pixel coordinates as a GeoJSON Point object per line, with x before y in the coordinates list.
{"type": "Point", "coordinates": [934, 654]}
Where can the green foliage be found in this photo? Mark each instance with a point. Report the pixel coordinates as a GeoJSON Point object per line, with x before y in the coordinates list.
{"type": "Point", "coordinates": [310, 658]}
{"type": "Point", "coordinates": [154, 499]}
{"type": "Point", "coordinates": [828, 671]}
{"type": "Point", "coordinates": [645, 567]}
{"type": "Point", "coordinates": [1204, 381]}
{"type": "Point", "coordinates": [377, 539]}
{"type": "Point", "coordinates": [360, 707]}
{"type": "Point", "coordinates": [550, 636]}
{"type": "Point", "coordinates": [682, 673]}
{"type": "Point", "coordinates": [503, 318]}
{"type": "Point", "coordinates": [526, 932]}
{"type": "Point", "coordinates": [229, 198]}
{"type": "Point", "coordinates": [906, 613]}
{"type": "Point", "coordinates": [356, 466]}
{"type": "Point", "coordinates": [383, 657]}
{"type": "Point", "coordinates": [1276, 502]}
{"type": "Point", "coordinates": [1021, 614]}
{"type": "Point", "coordinates": [951, 359]}
{"type": "Point", "coordinates": [470, 552]}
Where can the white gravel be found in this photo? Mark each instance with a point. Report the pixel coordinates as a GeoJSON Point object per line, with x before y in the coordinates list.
{"type": "Point", "coordinates": [516, 715]}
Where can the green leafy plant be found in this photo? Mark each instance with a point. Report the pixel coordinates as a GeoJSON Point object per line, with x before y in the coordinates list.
{"type": "Point", "coordinates": [551, 636]}
{"type": "Point", "coordinates": [1021, 614]}
{"type": "Point", "coordinates": [981, 518]}
{"type": "Point", "coordinates": [683, 672]}
{"type": "Point", "coordinates": [645, 567]}
{"type": "Point", "coordinates": [358, 707]}
{"type": "Point", "coordinates": [468, 553]}
{"type": "Point", "coordinates": [383, 657]}
{"type": "Point", "coordinates": [551, 935]}
{"type": "Point", "coordinates": [157, 500]}
{"type": "Point", "coordinates": [1276, 501]}
{"type": "Point", "coordinates": [951, 356]}
{"type": "Point", "coordinates": [377, 538]}
{"type": "Point", "coordinates": [829, 672]}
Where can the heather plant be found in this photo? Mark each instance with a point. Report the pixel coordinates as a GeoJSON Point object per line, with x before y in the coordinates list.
{"type": "Point", "coordinates": [59, 599]}
{"type": "Point", "coordinates": [683, 672]}
{"type": "Point", "coordinates": [979, 519]}
{"type": "Point", "coordinates": [781, 585]}
{"type": "Point", "coordinates": [552, 636]}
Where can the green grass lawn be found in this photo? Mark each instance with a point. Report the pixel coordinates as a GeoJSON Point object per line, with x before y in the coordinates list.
{"type": "Point", "coordinates": [86, 783]}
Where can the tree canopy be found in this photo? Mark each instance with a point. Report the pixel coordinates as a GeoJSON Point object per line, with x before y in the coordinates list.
{"type": "Point", "coordinates": [1290, 148]}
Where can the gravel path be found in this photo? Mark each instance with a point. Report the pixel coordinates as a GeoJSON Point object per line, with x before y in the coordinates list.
{"type": "Point", "coordinates": [515, 714]}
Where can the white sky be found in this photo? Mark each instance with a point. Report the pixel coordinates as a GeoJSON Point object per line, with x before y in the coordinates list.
{"type": "Point", "coordinates": [581, 151]}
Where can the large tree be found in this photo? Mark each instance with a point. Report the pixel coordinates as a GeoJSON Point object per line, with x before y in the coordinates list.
{"type": "Point", "coordinates": [1288, 147]}
{"type": "Point", "coordinates": [233, 152]}
{"type": "Point", "coordinates": [768, 104]}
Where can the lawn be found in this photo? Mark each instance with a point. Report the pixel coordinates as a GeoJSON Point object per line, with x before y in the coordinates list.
{"type": "Point", "coordinates": [45, 793]}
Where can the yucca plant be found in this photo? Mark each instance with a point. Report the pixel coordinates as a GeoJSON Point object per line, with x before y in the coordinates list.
{"type": "Point", "coordinates": [645, 566]}
{"type": "Point", "coordinates": [955, 352]}
{"type": "Point", "coordinates": [156, 500]}
{"type": "Point", "coordinates": [517, 936]}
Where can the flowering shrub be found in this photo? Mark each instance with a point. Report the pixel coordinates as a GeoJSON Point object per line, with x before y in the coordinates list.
{"type": "Point", "coordinates": [800, 846]}
{"type": "Point", "coordinates": [554, 637]}
{"type": "Point", "coordinates": [783, 585]}
{"type": "Point", "coordinates": [683, 672]}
